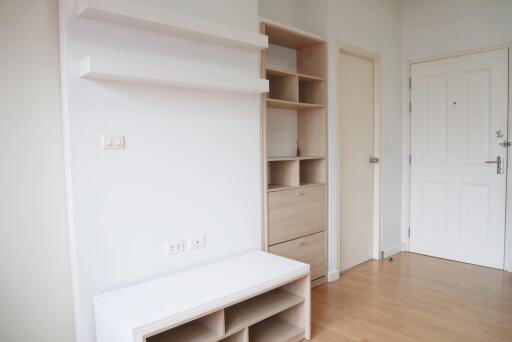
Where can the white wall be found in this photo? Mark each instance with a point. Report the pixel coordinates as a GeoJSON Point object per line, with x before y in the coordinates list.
{"type": "Point", "coordinates": [373, 25]}
{"type": "Point", "coordinates": [191, 165]}
{"type": "Point", "coordinates": [284, 11]}
{"type": "Point", "coordinates": [437, 27]}
{"type": "Point", "coordinates": [35, 287]}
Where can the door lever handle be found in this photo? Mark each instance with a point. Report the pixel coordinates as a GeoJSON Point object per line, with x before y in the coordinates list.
{"type": "Point", "coordinates": [500, 165]}
{"type": "Point", "coordinates": [374, 160]}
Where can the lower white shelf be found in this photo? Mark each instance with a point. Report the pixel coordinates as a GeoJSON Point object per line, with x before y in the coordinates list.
{"type": "Point", "coordinates": [184, 76]}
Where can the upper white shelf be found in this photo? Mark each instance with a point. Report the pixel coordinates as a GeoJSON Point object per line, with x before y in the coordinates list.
{"type": "Point", "coordinates": [178, 75]}
{"type": "Point", "coordinates": [155, 18]}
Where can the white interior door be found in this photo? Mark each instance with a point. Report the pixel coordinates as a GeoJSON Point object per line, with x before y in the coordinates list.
{"type": "Point", "coordinates": [356, 172]}
{"type": "Point", "coordinates": [458, 120]}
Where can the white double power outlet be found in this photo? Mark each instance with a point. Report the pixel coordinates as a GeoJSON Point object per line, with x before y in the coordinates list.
{"type": "Point", "coordinates": [178, 246]}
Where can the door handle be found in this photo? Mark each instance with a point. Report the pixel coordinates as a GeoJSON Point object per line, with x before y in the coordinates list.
{"type": "Point", "coordinates": [500, 165]}
{"type": "Point", "coordinates": [374, 160]}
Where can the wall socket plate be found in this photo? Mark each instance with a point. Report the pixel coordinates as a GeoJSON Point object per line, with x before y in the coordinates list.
{"type": "Point", "coordinates": [174, 247]}
{"type": "Point", "coordinates": [195, 242]}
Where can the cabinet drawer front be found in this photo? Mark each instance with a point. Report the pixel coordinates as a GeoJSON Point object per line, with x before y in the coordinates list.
{"type": "Point", "coordinates": [309, 249]}
{"type": "Point", "coordinates": [295, 213]}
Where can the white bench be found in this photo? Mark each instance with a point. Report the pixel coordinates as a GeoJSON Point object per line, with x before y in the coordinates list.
{"type": "Point", "coordinates": [253, 297]}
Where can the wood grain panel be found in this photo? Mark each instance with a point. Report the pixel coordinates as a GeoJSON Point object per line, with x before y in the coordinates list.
{"type": "Point", "coordinates": [309, 249]}
{"type": "Point", "coordinates": [295, 213]}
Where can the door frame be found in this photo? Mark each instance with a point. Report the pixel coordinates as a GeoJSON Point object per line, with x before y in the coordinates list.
{"type": "Point", "coordinates": [376, 59]}
{"type": "Point", "coordinates": [406, 182]}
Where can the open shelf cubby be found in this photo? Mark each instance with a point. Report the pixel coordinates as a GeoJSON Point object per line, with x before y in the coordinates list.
{"type": "Point", "coordinates": [286, 130]}
{"type": "Point", "coordinates": [293, 172]}
{"type": "Point", "coordinates": [275, 328]}
{"type": "Point", "coordinates": [259, 308]}
{"type": "Point", "coordinates": [278, 310]}
{"type": "Point", "coordinates": [312, 171]}
{"type": "Point", "coordinates": [307, 50]}
{"type": "Point", "coordinates": [283, 173]}
{"type": "Point", "coordinates": [312, 92]}
{"type": "Point", "coordinates": [299, 91]}
{"type": "Point", "coordinates": [207, 328]}
{"type": "Point", "coordinates": [285, 88]}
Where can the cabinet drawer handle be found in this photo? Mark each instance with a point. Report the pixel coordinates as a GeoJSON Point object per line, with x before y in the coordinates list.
{"type": "Point", "coordinates": [299, 193]}
{"type": "Point", "coordinates": [299, 243]}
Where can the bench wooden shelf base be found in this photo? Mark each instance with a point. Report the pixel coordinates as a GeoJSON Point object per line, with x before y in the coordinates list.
{"type": "Point", "coordinates": [253, 297]}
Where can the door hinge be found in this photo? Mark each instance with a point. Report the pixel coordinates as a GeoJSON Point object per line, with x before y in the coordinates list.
{"type": "Point", "coordinates": [410, 107]}
{"type": "Point", "coordinates": [410, 83]}
{"type": "Point", "coordinates": [409, 232]}
{"type": "Point", "coordinates": [410, 159]}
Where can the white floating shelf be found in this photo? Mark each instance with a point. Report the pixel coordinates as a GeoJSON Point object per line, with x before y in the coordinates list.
{"type": "Point", "coordinates": [156, 18]}
{"type": "Point", "coordinates": [184, 76]}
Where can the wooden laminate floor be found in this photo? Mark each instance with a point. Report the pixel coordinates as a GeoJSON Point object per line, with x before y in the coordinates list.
{"type": "Point", "coordinates": [414, 298]}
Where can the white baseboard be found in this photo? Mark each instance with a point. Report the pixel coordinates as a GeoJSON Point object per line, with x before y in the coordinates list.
{"type": "Point", "coordinates": [394, 250]}
{"type": "Point", "coordinates": [333, 276]}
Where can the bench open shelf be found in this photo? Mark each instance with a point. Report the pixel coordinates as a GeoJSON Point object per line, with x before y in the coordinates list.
{"type": "Point", "coordinates": [258, 308]}
{"type": "Point", "coordinates": [275, 329]}
{"type": "Point", "coordinates": [276, 310]}
{"type": "Point", "coordinates": [208, 328]}
{"type": "Point", "coordinates": [223, 301]}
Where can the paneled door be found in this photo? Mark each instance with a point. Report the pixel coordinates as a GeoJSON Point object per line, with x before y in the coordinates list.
{"type": "Point", "coordinates": [459, 157]}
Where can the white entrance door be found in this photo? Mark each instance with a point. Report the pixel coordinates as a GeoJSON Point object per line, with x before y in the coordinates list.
{"type": "Point", "coordinates": [356, 96]}
{"type": "Point", "coordinates": [458, 120]}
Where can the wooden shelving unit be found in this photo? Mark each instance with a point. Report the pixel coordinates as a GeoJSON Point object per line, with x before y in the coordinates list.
{"type": "Point", "coordinates": [160, 19]}
{"type": "Point", "coordinates": [298, 95]}
{"type": "Point", "coordinates": [121, 70]}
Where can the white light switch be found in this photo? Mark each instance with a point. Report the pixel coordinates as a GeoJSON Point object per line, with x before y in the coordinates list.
{"type": "Point", "coordinates": [113, 141]}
